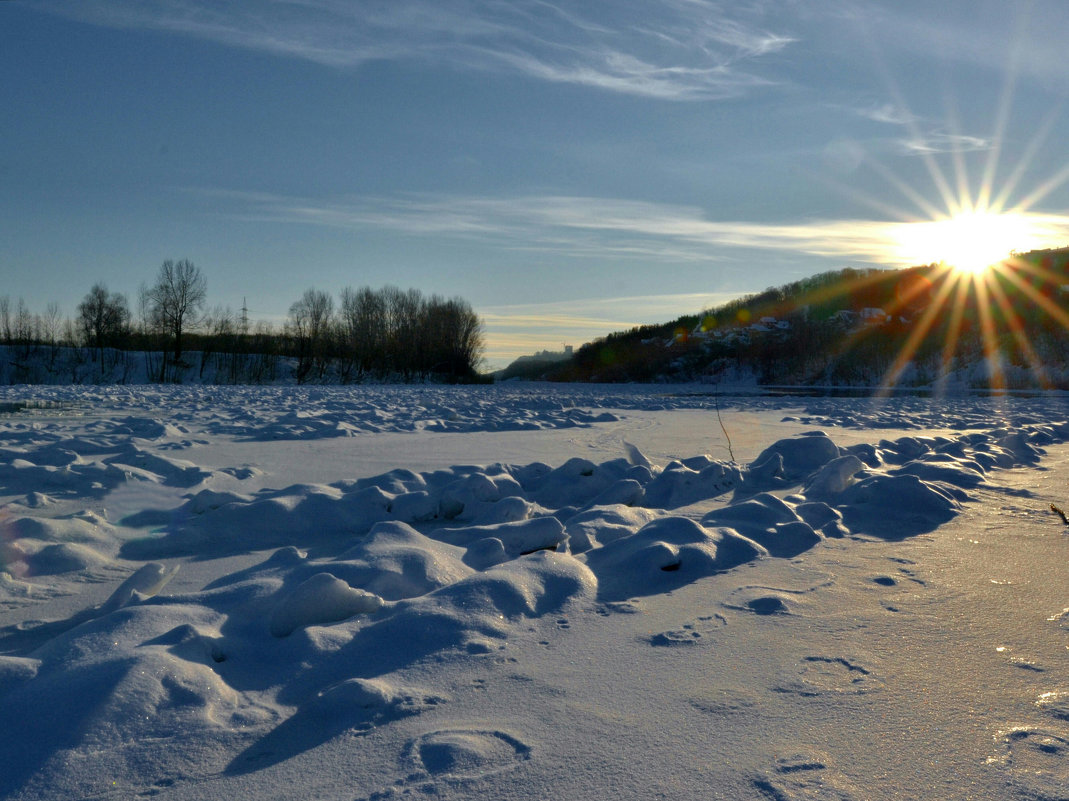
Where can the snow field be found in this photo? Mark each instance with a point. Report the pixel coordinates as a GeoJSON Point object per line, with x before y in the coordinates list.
{"type": "Point", "coordinates": [343, 612]}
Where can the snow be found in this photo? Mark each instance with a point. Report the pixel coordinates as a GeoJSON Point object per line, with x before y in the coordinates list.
{"type": "Point", "coordinates": [528, 591]}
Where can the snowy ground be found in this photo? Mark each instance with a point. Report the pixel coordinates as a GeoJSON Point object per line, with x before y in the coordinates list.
{"type": "Point", "coordinates": [531, 592]}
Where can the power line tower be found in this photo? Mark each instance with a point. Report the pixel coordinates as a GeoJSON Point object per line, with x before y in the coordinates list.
{"type": "Point", "coordinates": [244, 317]}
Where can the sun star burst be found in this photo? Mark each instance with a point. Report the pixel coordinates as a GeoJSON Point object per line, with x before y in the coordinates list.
{"type": "Point", "coordinates": [970, 241]}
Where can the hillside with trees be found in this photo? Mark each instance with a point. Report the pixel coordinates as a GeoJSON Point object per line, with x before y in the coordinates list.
{"type": "Point", "coordinates": [852, 327]}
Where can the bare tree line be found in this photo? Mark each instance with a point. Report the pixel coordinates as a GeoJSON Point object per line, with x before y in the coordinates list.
{"type": "Point", "coordinates": [386, 334]}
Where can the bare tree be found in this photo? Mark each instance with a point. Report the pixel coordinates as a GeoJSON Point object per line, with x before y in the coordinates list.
{"type": "Point", "coordinates": [456, 338]}
{"type": "Point", "coordinates": [5, 319]}
{"type": "Point", "coordinates": [176, 300]}
{"type": "Point", "coordinates": [263, 349]}
{"type": "Point", "coordinates": [104, 318]}
{"type": "Point", "coordinates": [398, 333]}
{"type": "Point", "coordinates": [219, 335]}
{"type": "Point", "coordinates": [51, 324]}
{"type": "Point", "coordinates": [403, 317]}
{"type": "Point", "coordinates": [363, 313]}
{"type": "Point", "coordinates": [23, 324]}
{"type": "Point", "coordinates": [310, 324]}
{"type": "Point", "coordinates": [144, 323]}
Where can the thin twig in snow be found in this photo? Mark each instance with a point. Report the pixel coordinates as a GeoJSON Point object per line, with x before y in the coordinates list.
{"type": "Point", "coordinates": [719, 419]}
{"type": "Point", "coordinates": [1060, 514]}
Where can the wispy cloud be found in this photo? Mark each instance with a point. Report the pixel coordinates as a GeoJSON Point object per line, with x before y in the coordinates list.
{"type": "Point", "coordinates": [939, 142]}
{"type": "Point", "coordinates": [517, 329]}
{"type": "Point", "coordinates": [620, 312]}
{"type": "Point", "coordinates": [577, 226]}
{"type": "Point", "coordinates": [887, 113]}
{"type": "Point", "coordinates": [923, 136]}
{"type": "Point", "coordinates": [666, 49]}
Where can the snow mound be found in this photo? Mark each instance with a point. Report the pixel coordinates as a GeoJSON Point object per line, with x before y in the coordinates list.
{"type": "Point", "coordinates": [323, 598]}
{"type": "Point", "coordinates": [897, 506]}
{"type": "Point", "coordinates": [767, 520]}
{"type": "Point", "coordinates": [529, 586]}
{"type": "Point", "coordinates": [395, 561]}
{"type": "Point", "coordinates": [666, 553]}
{"type": "Point", "coordinates": [794, 458]}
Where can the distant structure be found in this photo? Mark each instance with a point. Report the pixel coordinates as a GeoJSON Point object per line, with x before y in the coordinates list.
{"type": "Point", "coordinates": [548, 355]}
{"type": "Point", "coordinates": [537, 364]}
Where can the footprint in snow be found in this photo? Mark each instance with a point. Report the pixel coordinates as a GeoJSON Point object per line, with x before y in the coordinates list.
{"type": "Point", "coordinates": [778, 600]}
{"type": "Point", "coordinates": [351, 708]}
{"type": "Point", "coordinates": [762, 601]}
{"type": "Point", "coordinates": [689, 633]}
{"type": "Point", "coordinates": [889, 582]}
{"type": "Point", "coordinates": [1035, 760]}
{"type": "Point", "coordinates": [1020, 662]}
{"type": "Point", "coordinates": [823, 675]}
{"type": "Point", "coordinates": [1055, 702]}
{"type": "Point", "coordinates": [676, 638]}
{"type": "Point", "coordinates": [629, 607]}
{"type": "Point", "coordinates": [467, 753]}
{"type": "Point", "coordinates": [725, 701]}
{"type": "Point", "coordinates": [452, 757]}
{"type": "Point", "coordinates": [806, 776]}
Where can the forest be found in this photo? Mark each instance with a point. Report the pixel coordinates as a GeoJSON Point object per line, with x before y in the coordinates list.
{"type": "Point", "coordinates": [386, 334]}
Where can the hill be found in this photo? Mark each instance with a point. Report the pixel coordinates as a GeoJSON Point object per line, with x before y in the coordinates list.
{"type": "Point", "coordinates": [1004, 328]}
{"type": "Point", "coordinates": [536, 366]}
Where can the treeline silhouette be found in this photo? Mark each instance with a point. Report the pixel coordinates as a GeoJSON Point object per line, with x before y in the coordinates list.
{"type": "Point", "coordinates": [1008, 326]}
{"type": "Point", "coordinates": [386, 334]}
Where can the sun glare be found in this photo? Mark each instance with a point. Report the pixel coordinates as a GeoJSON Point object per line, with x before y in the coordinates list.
{"type": "Point", "coordinates": [970, 241]}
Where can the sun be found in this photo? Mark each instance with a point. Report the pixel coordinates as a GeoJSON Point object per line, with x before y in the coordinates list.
{"type": "Point", "coordinates": [970, 241]}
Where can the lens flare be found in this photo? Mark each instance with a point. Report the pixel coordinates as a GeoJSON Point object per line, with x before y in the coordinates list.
{"type": "Point", "coordinates": [12, 557]}
{"type": "Point", "coordinates": [971, 240]}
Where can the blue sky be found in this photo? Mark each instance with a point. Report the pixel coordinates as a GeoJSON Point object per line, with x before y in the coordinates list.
{"type": "Point", "coordinates": [569, 168]}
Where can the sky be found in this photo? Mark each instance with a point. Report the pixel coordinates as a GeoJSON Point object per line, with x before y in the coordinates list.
{"type": "Point", "coordinates": [568, 168]}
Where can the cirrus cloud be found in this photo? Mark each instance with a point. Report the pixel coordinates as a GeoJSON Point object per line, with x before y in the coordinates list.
{"type": "Point", "coordinates": [664, 49]}
{"type": "Point", "coordinates": [595, 227]}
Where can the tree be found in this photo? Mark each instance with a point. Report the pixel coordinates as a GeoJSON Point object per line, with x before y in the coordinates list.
{"type": "Point", "coordinates": [403, 316]}
{"type": "Point", "coordinates": [363, 313]}
{"type": "Point", "coordinates": [460, 339]}
{"type": "Point", "coordinates": [5, 319]}
{"type": "Point", "coordinates": [23, 324]}
{"type": "Point", "coordinates": [104, 318]}
{"type": "Point", "coordinates": [51, 327]}
{"type": "Point", "coordinates": [311, 322]}
{"type": "Point", "coordinates": [176, 300]}
{"type": "Point", "coordinates": [219, 337]}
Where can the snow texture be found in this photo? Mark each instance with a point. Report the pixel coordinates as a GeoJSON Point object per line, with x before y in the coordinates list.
{"type": "Point", "coordinates": [179, 626]}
